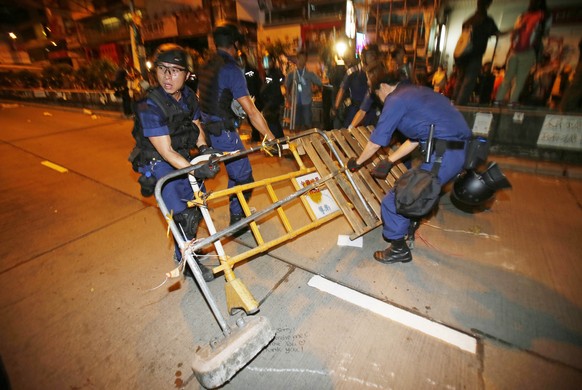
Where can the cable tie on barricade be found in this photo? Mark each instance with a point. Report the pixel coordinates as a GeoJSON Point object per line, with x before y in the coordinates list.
{"type": "Point", "coordinates": [169, 218]}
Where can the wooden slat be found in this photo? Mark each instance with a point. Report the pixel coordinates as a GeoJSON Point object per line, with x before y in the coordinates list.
{"type": "Point", "coordinates": [352, 217]}
{"type": "Point", "coordinates": [362, 179]}
{"type": "Point", "coordinates": [363, 133]}
{"type": "Point", "coordinates": [353, 143]}
{"type": "Point", "coordinates": [378, 187]}
{"type": "Point", "coordinates": [347, 188]}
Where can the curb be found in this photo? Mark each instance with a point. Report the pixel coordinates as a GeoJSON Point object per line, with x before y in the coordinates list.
{"type": "Point", "coordinates": [543, 168]}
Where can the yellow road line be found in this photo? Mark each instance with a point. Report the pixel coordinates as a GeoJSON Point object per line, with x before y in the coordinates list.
{"type": "Point", "coordinates": [54, 166]}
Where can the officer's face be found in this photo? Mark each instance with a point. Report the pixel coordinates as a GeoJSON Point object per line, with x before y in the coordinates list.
{"type": "Point", "coordinates": [171, 77]}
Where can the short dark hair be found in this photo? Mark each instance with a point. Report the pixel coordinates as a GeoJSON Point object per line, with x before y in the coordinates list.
{"type": "Point", "coordinates": [390, 78]}
{"type": "Point", "coordinates": [227, 34]}
{"type": "Point", "coordinates": [483, 4]}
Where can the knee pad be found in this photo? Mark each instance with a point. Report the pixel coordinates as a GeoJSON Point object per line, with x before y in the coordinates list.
{"type": "Point", "coordinates": [148, 184]}
{"type": "Point", "coordinates": [189, 220]}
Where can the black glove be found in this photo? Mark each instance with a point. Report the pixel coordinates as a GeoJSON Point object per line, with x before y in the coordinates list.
{"type": "Point", "coordinates": [208, 170]}
{"type": "Point", "coordinates": [353, 166]}
{"type": "Point", "coordinates": [205, 149]}
{"type": "Point", "coordinates": [382, 169]}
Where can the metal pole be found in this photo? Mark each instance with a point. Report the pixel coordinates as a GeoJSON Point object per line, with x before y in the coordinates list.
{"type": "Point", "coordinates": [137, 46]}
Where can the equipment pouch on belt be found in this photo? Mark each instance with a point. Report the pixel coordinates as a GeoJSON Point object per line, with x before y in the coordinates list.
{"type": "Point", "coordinates": [216, 128]}
{"type": "Point", "coordinates": [148, 184]}
{"type": "Point", "coordinates": [135, 158]}
{"type": "Point", "coordinates": [477, 153]}
{"type": "Point", "coordinates": [416, 193]}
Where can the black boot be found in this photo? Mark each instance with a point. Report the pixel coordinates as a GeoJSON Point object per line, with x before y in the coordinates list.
{"type": "Point", "coordinates": [397, 252]}
{"type": "Point", "coordinates": [207, 273]}
{"type": "Point", "coordinates": [234, 218]}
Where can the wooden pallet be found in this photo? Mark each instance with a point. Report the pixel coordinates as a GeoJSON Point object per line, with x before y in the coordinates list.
{"type": "Point", "coordinates": [358, 195]}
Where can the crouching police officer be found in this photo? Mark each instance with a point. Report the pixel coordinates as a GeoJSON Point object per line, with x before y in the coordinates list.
{"type": "Point", "coordinates": [167, 128]}
{"type": "Point", "coordinates": [224, 101]}
{"type": "Point", "coordinates": [412, 109]}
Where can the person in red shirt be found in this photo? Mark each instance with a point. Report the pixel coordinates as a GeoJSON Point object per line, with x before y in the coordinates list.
{"type": "Point", "coordinates": [526, 39]}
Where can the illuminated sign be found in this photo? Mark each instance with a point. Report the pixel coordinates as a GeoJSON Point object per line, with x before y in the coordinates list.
{"type": "Point", "coordinates": [350, 20]}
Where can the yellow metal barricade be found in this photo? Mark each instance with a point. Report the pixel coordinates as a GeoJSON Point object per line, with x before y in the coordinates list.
{"type": "Point", "coordinates": [323, 159]}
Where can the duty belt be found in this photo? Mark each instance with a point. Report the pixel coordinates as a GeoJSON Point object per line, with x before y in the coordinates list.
{"type": "Point", "coordinates": [451, 144]}
{"type": "Point", "coordinates": [152, 156]}
{"type": "Point", "coordinates": [441, 144]}
{"type": "Point", "coordinates": [214, 127]}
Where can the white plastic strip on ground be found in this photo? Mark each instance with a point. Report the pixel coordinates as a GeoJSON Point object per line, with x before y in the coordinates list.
{"type": "Point", "coordinates": [441, 332]}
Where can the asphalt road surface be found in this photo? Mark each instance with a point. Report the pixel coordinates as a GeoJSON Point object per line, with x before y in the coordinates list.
{"type": "Point", "coordinates": [492, 300]}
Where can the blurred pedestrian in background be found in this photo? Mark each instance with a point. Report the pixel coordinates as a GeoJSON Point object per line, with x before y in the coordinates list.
{"type": "Point", "coordinates": [525, 49]}
{"type": "Point", "coordinates": [299, 86]}
{"type": "Point", "coordinates": [439, 79]}
{"type": "Point", "coordinates": [572, 99]}
{"type": "Point", "coordinates": [476, 30]}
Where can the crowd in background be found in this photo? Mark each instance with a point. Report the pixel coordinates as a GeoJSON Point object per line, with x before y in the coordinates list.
{"type": "Point", "coordinates": [551, 82]}
{"type": "Point", "coordinates": [545, 86]}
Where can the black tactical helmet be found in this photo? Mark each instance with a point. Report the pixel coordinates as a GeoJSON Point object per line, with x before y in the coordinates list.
{"type": "Point", "coordinates": [173, 54]}
{"type": "Point", "coordinates": [228, 34]}
{"type": "Point", "coordinates": [475, 189]}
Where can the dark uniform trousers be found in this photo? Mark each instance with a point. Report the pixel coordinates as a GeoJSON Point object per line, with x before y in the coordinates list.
{"type": "Point", "coordinates": [396, 225]}
{"type": "Point", "coordinates": [239, 170]}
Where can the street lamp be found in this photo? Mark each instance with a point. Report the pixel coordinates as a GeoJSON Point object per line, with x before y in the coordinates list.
{"type": "Point", "coordinates": [12, 35]}
{"type": "Point", "coordinates": [340, 48]}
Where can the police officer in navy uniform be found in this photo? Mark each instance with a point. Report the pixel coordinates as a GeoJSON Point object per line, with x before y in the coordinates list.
{"type": "Point", "coordinates": [272, 97]}
{"type": "Point", "coordinates": [167, 127]}
{"type": "Point", "coordinates": [366, 113]}
{"type": "Point", "coordinates": [402, 110]}
{"type": "Point", "coordinates": [355, 86]}
{"type": "Point", "coordinates": [254, 84]}
{"type": "Point", "coordinates": [224, 100]}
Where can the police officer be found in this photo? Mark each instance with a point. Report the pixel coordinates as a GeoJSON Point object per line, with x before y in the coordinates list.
{"type": "Point", "coordinates": [272, 97]}
{"type": "Point", "coordinates": [254, 84]}
{"type": "Point", "coordinates": [224, 99]}
{"type": "Point", "coordinates": [167, 127]}
{"type": "Point", "coordinates": [401, 110]}
{"type": "Point", "coordinates": [355, 86]}
{"type": "Point", "coordinates": [371, 63]}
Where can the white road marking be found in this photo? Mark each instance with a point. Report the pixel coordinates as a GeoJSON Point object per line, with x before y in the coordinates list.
{"type": "Point", "coordinates": [302, 371]}
{"type": "Point", "coordinates": [439, 331]}
{"type": "Point", "coordinates": [54, 166]}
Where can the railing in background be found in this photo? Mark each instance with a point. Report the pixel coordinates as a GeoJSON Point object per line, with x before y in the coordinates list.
{"type": "Point", "coordinates": [105, 99]}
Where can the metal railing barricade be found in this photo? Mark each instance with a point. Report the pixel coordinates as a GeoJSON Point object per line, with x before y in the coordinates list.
{"type": "Point", "coordinates": [357, 195]}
